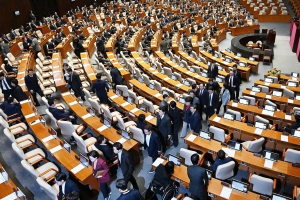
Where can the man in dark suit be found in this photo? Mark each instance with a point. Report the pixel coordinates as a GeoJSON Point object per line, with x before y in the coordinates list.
{"type": "Point", "coordinates": [60, 113]}
{"type": "Point", "coordinates": [33, 25]}
{"type": "Point", "coordinates": [66, 186]}
{"type": "Point", "coordinates": [211, 103]}
{"type": "Point", "coordinates": [176, 121]}
{"type": "Point", "coordinates": [238, 75]}
{"type": "Point", "coordinates": [164, 102]}
{"type": "Point", "coordinates": [212, 71]}
{"type": "Point", "coordinates": [214, 84]}
{"type": "Point", "coordinates": [163, 125]}
{"type": "Point", "coordinates": [5, 86]}
{"type": "Point", "coordinates": [220, 160]}
{"type": "Point", "coordinates": [127, 194]}
{"type": "Point", "coordinates": [104, 148]}
{"type": "Point", "coordinates": [202, 95]}
{"type": "Point", "coordinates": [21, 30]}
{"type": "Point", "coordinates": [198, 179]}
{"type": "Point", "coordinates": [195, 124]}
{"type": "Point", "coordinates": [233, 83]}
{"type": "Point", "coordinates": [11, 108]}
{"type": "Point", "coordinates": [115, 76]}
{"type": "Point", "coordinates": [152, 144]}
{"type": "Point", "coordinates": [163, 45]}
{"type": "Point", "coordinates": [75, 83]}
{"type": "Point", "coordinates": [32, 85]}
{"type": "Point", "coordinates": [17, 91]}
{"type": "Point", "coordinates": [12, 34]}
{"type": "Point", "coordinates": [126, 163]}
{"type": "Point", "coordinates": [101, 88]}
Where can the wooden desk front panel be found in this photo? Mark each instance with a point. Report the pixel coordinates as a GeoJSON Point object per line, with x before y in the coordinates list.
{"type": "Point", "coordinates": [88, 67]}
{"type": "Point", "coordinates": [45, 39]}
{"type": "Point", "coordinates": [277, 86]}
{"type": "Point", "coordinates": [58, 75]}
{"type": "Point", "coordinates": [14, 47]}
{"type": "Point", "coordinates": [89, 45]}
{"type": "Point", "coordinates": [65, 47]}
{"type": "Point", "coordinates": [244, 30]}
{"type": "Point", "coordinates": [274, 18]}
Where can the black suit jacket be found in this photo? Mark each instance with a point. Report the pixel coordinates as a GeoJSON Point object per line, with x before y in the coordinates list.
{"type": "Point", "coordinates": [18, 93]}
{"type": "Point", "coordinates": [212, 71]}
{"type": "Point", "coordinates": [199, 182]}
{"type": "Point", "coordinates": [116, 76]}
{"type": "Point", "coordinates": [238, 75]}
{"type": "Point", "coordinates": [175, 116]}
{"type": "Point", "coordinates": [75, 82]}
{"type": "Point", "coordinates": [164, 126]}
{"type": "Point", "coordinates": [154, 145]}
{"type": "Point", "coordinates": [101, 88]}
{"type": "Point", "coordinates": [214, 102]}
{"type": "Point", "coordinates": [31, 82]}
{"type": "Point", "coordinates": [126, 164]}
{"type": "Point", "coordinates": [106, 150]}
{"type": "Point", "coordinates": [236, 81]}
{"type": "Point", "coordinates": [132, 195]}
{"type": "Point", "coordinates": [202, 97]}
{"type": "Point", "coordinates": [70, 186]}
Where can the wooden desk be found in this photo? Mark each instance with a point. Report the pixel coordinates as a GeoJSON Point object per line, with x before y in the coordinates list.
{"type": "Point", "coordinates": [274, 18]}
{"type": "Point", "coordinates": [66, 159]}
{"type": "Point", "coordinates": [14, 47]}
{"type": "Point", "coordinates": [200, 33]}
{"type": "Point", "coordinates": [220, 35]}
{"type": "Point", "coordinates": [65, 47]}
{"type": "Point", "coordinates": [252, 64]}
{"type": "Point", "coordinates": [44, 29]}
{"type": "Point", "coordinates": [113, 59]}
{"type": "Point", "coordinates": [57, 72]}
{"type": "Point", "coordinates": [277, 86]}
{"type": "Point", "coordinates": [94, 123]}
{"type": "Point", "coordinates": [134, 42]}
{"type": "Point", "coordinates": [245, 71]}
{"type": "Point", "coordinates": [27, 62]}
{"type": "Point", "coordinates": [88, 67]}
{"type": "Point", "coordinates": [155, 42]}
{"type": "Point", "coordinates": [175, 42]}
{"type": "Point", "coordinates": [89, 45]}
{"type": "Point", "coordinates": [243, 132]}
{"type": "Point", "coordinates": [249, 162]}
{"type": "Point", "coordinates": [45, 39]}
{"type": "Point", "coordinates": [244, 29]}
{"type": "Point", "coordinates": [153, 95]}
{"type": "Point", "coordinates": [110, 44]}
{"type": "Point", "coordinates": [223, 25]}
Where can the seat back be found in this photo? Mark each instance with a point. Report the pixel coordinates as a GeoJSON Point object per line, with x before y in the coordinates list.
{"type": "Point", "coordinates": [106, 112]}
{"type": "Point", "coordinates": [296, 110]}
{"type": "Point", "coordinates": [80, 143]}
{"type": "Point", "coordinates": [53, 119]}
{"type": "Point", "coordinates": [124, 90]}
{"type": "Point", "coordinates": [251, 99]}
{"type": "Point", "coordinates": [121, 123]}
{"type": "Point", "coordinates": [264, 89]}
{"type": "Point", "coordinates": [133, 96]}
{"type": "Point", "coordinates": [262, 185]}
{"type": "Point", "coordinates": [18, 150]}
{"type": "Point", "coordinates": [146, 79]}
{"type": "Point", "coordinates": [29, 168]}
{"type": "Point", "coordinates": [292, 155]}
{"type": "Point", "coordinates": [41, 57]}
{"type": "Point", "coordinates": [255, 51]}
{"type": "Point", "coordinates": [178, 76]}
{"type": "Point", "coordinates": [95, 105]}
{"type": "Point", "coordinates": [236, 113]}
{"type": "Point", "coordinates": [137, 134]}
{"type": "Point", "coordinates": [66, 129]}
{"type": "Point", "coordinates": [167, 71]}
{"type": "Point", "coordinates": [87, 93]}
{"type": "Point", "coordinates": [288, 93]}
{"type": "Point", "coordinates": [268, 102]}
{"type": "Point", "coordinates": [267, 52]}
{"type": "Point", "coordinates": [157, 85]}
{"type": "Point", "coordinates": [11, 57]}
{"type": "Point", "coordinates": [8, 134]}
{"type": "Point", "coordinates": [138, 73]}
{"type": "Point", "coordinates": [3, 114]}
{"type": "Point", "coordinates": [219, 134]}
{"type": "Point", "coordinates": [186, 154]}
{"type": "Point", "coordinates": [45, 101]}
{"type": "Point", "coordinates": [47, 188]}
{"type": "Point", "coordinates": [256, 145]}
{"type": "Point", "coordinates": [150, 105]}
{"type": "Point", "coordinates": [225, 171]}
{"type": "Point", "coordinates": [273, 77]}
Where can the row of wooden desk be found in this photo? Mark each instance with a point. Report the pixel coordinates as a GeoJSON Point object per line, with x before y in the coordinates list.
{"type": "Point", "coordinates": [27, 62]}
{"type": "Point", "coordinates": [241, 30]}
{"type": "Point", "coordinates": [88, 67]}
{"type": "Point", "coordinates": [277, 86]}
{"type": "Point", "coordinates": [57, 72]}
{"type": "Point", "coordinates": [89, 45]}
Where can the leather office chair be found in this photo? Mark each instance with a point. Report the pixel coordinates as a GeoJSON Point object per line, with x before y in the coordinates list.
{"type": "Point", "coordinates": [76, 67]}
{"type": "Point", "coordinates": [262, 185]}
{"type": "Point", "coordinates": [32, 157]}
{"type": "Point", "coordinates": [147, 80]}
{"type": "Point", "coordinates": [263, 120]}
{"type": "Point", "coordinates": [159, 66]}
{"type": "Point", "coordinates": [264, 88]}
{"type": "Point", "coordinates": [110, 115]}
{"type": "Point", "coordinates": [184, 64]}
{"type": "Point", "coordinates": [296, 110]}
{"type": "Point", "coordinates": [196, 69]}
{"type": "Point", "coordinates": [267, 55]}
{"type": "Point", "coordinates": [291, 155]}
{"type": "Point", "coordinates": [268, 102]}
{"type": "Point", "coordinates": [187, 154]}
{"type": "Point", "coordinates": [288, 93]}
{"type": "Point", "coordinates": [252, 100]}
{"type": "Point", "coordinates": [255, 53]}
{"type": "Point", "coordinates": [20, 44]}
{"type": "Point", "coordinates": [51, 191]}
{"type": "Point", "coordinates": [237, 114]}
{"type": "Point", "coordinates": [88, 94]}
{"type": "Point", "coordinates": [219, 134]}
{"type": "Point", "coordinates": [178, 77]}
{"type": "Point", "coordinates": [44, 60]}
{"type": "Point", "coordinates": [194, 55]}
{"type": "Point", "coordinates": [22, 141]}
{"type": "Point", "coordinates": [47, 90]}
{"type": "Point", "coordinates": [45, 81]}
{"type": "Point", "coordinates": [124, 125]}
{"type": "Point", "coordinates": [273, 77]}
{"type": "Point", "coordinates": [177, 59]}
{"type": "Point", "coordinates": [152, 108]}
{"type": "Point", "coordinates": [47, 67]}
{"type": "Point", "coordinates": [16, 128]}
{"type": "Point", "coordinates": [138, 73]}
{"type": "Point", "coordinates": [173, 94]}
{"type": "Point", "coordinates": [95, 105]}
{"type": "Point", "coordinates": [75, 59]}
{"type": "Point", "coordinates": [192, 81]}
{"type": "Point", "coordinates": [67, 128]}
{"type": "Point", "coordinates": [136, 99]}
{"type": "Point", "coordinates": [225, 171]}
{"type": "Point", "coordinates": [254, 146]}
{"type": "Point", "coordinates": [167, 71]}
{"type": "Point", "coordinates": [52, 118]}
{"type": "Point", "coordinates": [10, 119]}
{"type": "Point", "coordinates": [12, 59]}
{"type": "Point", "coordinates": [124, 90]}
{"type": "Point", "coordinates": [137, 134]}
{"type": "Point", "coordinates": [158, 87]}
{"type": "Point", "coordinates": [83, 144]}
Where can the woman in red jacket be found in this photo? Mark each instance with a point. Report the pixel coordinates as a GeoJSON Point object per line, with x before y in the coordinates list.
{"type": "Point", "coordinates": [101, 172]}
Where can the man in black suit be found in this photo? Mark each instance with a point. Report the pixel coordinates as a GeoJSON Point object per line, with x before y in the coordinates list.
{"type": "Point", "coordinates": [126, 163]}
{"type": "Point", "coordinates": [60, 113]}
{"type": "Point", "coordinates": [33, 25]}
{"type": "Point", "coordinates": [214, 84]}
{"type": "Point", "coordinates": [233, 83]}
{"type": "Point", "coordinates": [104, 148]}
{"type": "Point", "coordinates": [211, 103]}
{"type": "Point", "coordinates": [101, 88]}
{"type": "Point", "coordinates": [21, 30]}
{"type": "Point", "coordinates": [176, 121]}
{"type": "Point", "coordinates": [212, 71]}
{"type": "Point", "coordinates": [66, 186]}
{"type": "Point", "coordinates": [116, 76]}
{"type": "Point", "coordinates": [198, 179]}
{"type": "Point", "coordinates": [152, 144]}
{"type": "Point", "coordinates": [238, 75]}
{"type": "Point", "coordinates": [17, 91]}
{"type": "Point", "coordinates": [12, 34]}
{"type": "Point", "coordinates": [163, 125]}
{"type": "Point", "coordinates": [164, 102]}
{"type": "Point", "coordinates": [32, 85]}
{"type": "Point", "coordinates": [11, 108]}
{"type": "Point", "coordinates": [127, 194]}
{"type": "Point", "coordinates": [5, 86]}
{"type": "Point", "coordinates": [202, 95]}
{"type": "Point", "coordinates": [195, 122]}
{"type": "Point", "coordinates": [75, 83]}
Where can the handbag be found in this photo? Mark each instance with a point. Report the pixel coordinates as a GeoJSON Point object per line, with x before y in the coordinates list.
{"type": "Point", "coordinates": [68, 86]}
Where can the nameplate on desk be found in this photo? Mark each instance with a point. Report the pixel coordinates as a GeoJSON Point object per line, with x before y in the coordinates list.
{"type": "Point", "coordinates": [234, 104]}
{"type": "Point", "coordinates": [113, 97]}
{"type": "Point", "coordinates": [122, 140]}
{"type": "Point", "coordinates": [154, 72]}
{"type": "Point", "coordinates": [48, 138]}
{"type": "Point", "coordinates": [148, 118]}
{"type": "Point", "coordinates": [290, 101]}
{"type": "Point", "coordinates": [30, 115]}
{"type": "Point", "coordinates": [217, 119]}
{"type": "Point", "coordinates": [225, 62]}
{"type": "Point", "coordinates": [226, 192]}
{"type": "Point", "coordinates": [252, 93]}
{"type": "Point", "coordinates": [167, 78]}
{"type": "Point", "coordinates": [55, 149]}
{"type": "Point", "coordinates": [57, 79]}
{"type": "Point", "coordinates": [267, 84]}
{"type": "Point", "coordinates": [157, 95]}
{"type": "Point", "coordinates": [267, 112]}
{"type": "Point", "coordinates": [73, 103]}
{"type": "Point", "coordinates": [178, 85]}
{"type": "Point", "coordinates": [192, 137]}
{"type": "Point", "coordinates": [24, 101]}
{"type": "Point", "coordinates": [21, 72]}
{"type": "Point", "coordinates": [258, 131]}
{"type": "Point", "coordinates": [65, 94]}
{"type": "Point", "coordinates": [86, 116]}
{"type": "Point", "coordinates": [124, 104]}
{"type": "Point", "coordinates": [158, 161]}
{"type": "Point", "coordinates": [35, 122]}
{"type": "Point", "coordinates": [57, 71]}
{"type": "Point", "coordinates": [23, 84]}
{"type": "Point", "coordinates": [284, 138]}
{"type": "Point", "coordinates": [283, 86]}
{"type": "Point", "coordinates": [268, 163]}
{"type": "Point", "coordinates": [188, 72]}
{"type": "Point", "coordinates": [57, 66]}
{"type": "Point", "coordinates": [77, 169]}
{"type": "Point", "coordinates": [102, 128]}
{"type": "Point", "coordinates": [134, 110]}
{"type": "Point", "coordinates": [197, 76]}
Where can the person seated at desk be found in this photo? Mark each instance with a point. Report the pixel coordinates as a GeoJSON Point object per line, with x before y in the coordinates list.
{"type": "Point", "coordinates": [8, 67]}
{"type": "Point", "coordinates": [52, 26]}
{"type": "Point", "coordinates": [101, 59]}
{"type": "Point", "coordinates": [220, 160]}
{"type": "Point", "coordinates": [12, 34]}
{"type": "Point", "coordinates": [11, 108]}
{"type": "Point", "coordinates": [17, 91]}
{"type": "Point", "coordinates": [163, 173]}
{"type": "Point", "coordinates": [294, 125]}
{"type": "Point", "coordinates": [107, 151]}
{"type": "Point", "coordinates": [66, 186]}
{"type": "Point", "coordinates": [57, 40]}
{"type": "Point", "coordinates": [126, 194]}
{"type": "Point", "coordinates": [241, 22]}
{"type": "Point", "coordinates": [231, 23]}
{"type": "Point", "coordinates": [61, 113]}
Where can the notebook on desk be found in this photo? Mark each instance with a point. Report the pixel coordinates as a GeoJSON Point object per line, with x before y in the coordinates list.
{"type": "Point", "coordinates": [279, 197]}
{"type": "Point", "coordinates": [270, 155]}
{"type": "Point", "coordinates": [175, 159]}
{"type": "Point", "coordinates": [240, 186]}
{"type": "Point", "coordinates": [260, 125]}
{"type": "Point", "coordinates": [84, 160]}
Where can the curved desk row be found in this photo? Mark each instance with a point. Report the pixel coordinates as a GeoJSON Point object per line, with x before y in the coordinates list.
{"type": "Point", "coordinates": [277, 86]}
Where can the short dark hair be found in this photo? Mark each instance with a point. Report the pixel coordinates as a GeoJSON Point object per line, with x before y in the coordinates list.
{"type": "Point", "coordinates": [121, 184]}
{"type": "Point", "coordinates": [195, 158]}
{"type": "Point", "coordinates": [172, 104]}
{"type": "Point", "coordinates": [210, 79]}
{"type": "Point", "coordinates": [15, 81]}
{"type": "Point", "coordinates": [210, 88]}
{"type": "Point", "coordinates": [5, 61]}
{"type": "Point", "coordinates": [98, 75]}
{"type": "Point", "coordinates": [234, 65]}
{"type": "Point", "coordinates": [188, 99]}
{"type": "Point", "coordinates": [194, 106]}
{"type": "Point", "coordinates": [163, 108]}
{"type": "Point", "coordinates": [191, 91]}
{"type": "Point", "coordinates": [118, 145]}
{"type": "Point", "coordinates": [148, 127]}
{"type": "Point", "coordinates": [75, 195]}
{"type": "Point", "coordinates": [141, 117]}
{"type": "Point", "coordinates": [30, 70]}
{"type": "Point", "coordinates": [221, 154]}
{"type": "Point", "coordinates": [165, 95]}
{"type": "Point", "coordinates": [194, 85]}
{"type": "Point", "coordinates": [94, 154]}
{"type": "Point", "coordinates": [50, 102]}
{"type": "Point", "coordinates": [69, 70]}
{"type": "Point", "coordinates": [1, 74]}
{"type": "Point", "coordinates": [169, 167]}
{"type": "Point", "coordinates": [10, 99]}
{"type": "Point", "coordinates": [60, 176]}
{"type": "Point", "coordinates": [100, 139]}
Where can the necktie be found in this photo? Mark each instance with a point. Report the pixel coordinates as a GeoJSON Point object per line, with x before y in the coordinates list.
{"type": "Point", "coordinates": [6, 85]}
{"type": "Point", "coordinates": [230, 81]}
{"type": "Point", "coordinates": [210, 100]}
{"type": "Point", "coordinates": [201, 92]}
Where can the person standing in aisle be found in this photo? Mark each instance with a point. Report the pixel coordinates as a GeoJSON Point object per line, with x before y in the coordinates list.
{"type": "Point", "coordinates": [176, 121]}
{"type": "Point", "coordinates": [33, 86]}
{"type": "Point", "coordinates": [75, 83]}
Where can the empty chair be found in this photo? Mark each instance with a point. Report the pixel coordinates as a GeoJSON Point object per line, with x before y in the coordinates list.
{"type": "Point", "coordinates": [219, 134]}
{"type": "Point", "coordinates": [95, 105]}
{"type": "Point", "coordinates": [288, 93]}
{"type": "Point", "coordinates": [14, 129]}
{"type": "Point", "coordinates": [183, 63]}
{"type": "Point", "coordinates": [47, 90]}
{"type": "Point", "coordinates": [167, 71]}
{"type": "Point", "coordinates": [110, 115]}
{"type": "Point", "coordinates": [274, 78]}
{"type": "Point", "coordinates": [12, 59]}
{"type": "Point", "coordinates": [67, 128]}
{"type": "Point", "coordinates": [147, 80]}
{"type": "Point", "coordinates": [138, 73]}
{"type": "Point", "coordinates": [157, 86]}
{"type": "Point", "coordinates": [265, 121]}
{"type": "Point", "coordinates": [264, 88]}
{"type": "Point", "coordinates": [262, 185]}
{"type": "Point", "coordinates": [236, 114]}
{"type": "Point", "coordinates": [32, 157]}
{"type": "Point", "coordinates": [252, 100]}
{"type": "Point", "coordinates": [225, 171]}
{"type": "Point", "coordinates": [177, 59]}
{"type": "Point", "coordinates": [255, 53]}
{"type": "Point", "coordinates": [254, 146]}
{"type": "Point", "coordinates": [44, 60]}
{"type": "Point", "coordinates": [137, 134]}
{"type": "Point", "coordinates": [124, 90]}
{"type": "Point", "coordinates": [52, 118]}
{"type": "Point", "coordinates": [136, 99]}
{"type": "Point", "coordinates": [295, 110]}
{"type": "Point", "coordinates": [83, 145]}
{"type": "Point", "coordinates": [51, 191]}
{"type": "Point", "coordinates": [178, 77]}
{"type": "Point", "coordinates": [268, 102]}
{"type": "Point", "coordinates": [187, 154]}
{"type": "Point", "coordinates": [151, 108]}
{"type": "Point", "coordinates": [291, 155]}
{"type": "Point", "coordinates": [267, 55]}
{"type": "Point", "coordinates": [191, 81]}
{"type": "Point", "coordinates": [196, 69]}
{"type": "Point", "coordinates": [124, 125]}
{"type": "Point", "coordinates": [46, 171]}
{"type": "Point", "coordinates": [284, 12]}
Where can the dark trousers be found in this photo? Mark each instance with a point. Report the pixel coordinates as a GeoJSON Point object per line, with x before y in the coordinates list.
{"type": "Point", "coordinates": [193, 196]}
{"type": "Point", "coordinates": [237, 92]}
{"type": "Point", "coordinates": [79, 93]}
{"type": "Point", "coordinates": [103, 52]}
{"type": "Point", "coordinates": [219, 106]}
{"type": "Point", "coordinates": [6, 94]}
{"type": "Point", "coordinates": [39, 91]}
{"type": "Point", "coordinates": [175, 129]}
{"type": "Point", "coordinates": [133, 182]}
{"type": "Point", "coordinates": [232, 93]}
{"type": "Point", "coordinates": [154, 158]}
{"type": "Point", "coordinates": [104, 189]}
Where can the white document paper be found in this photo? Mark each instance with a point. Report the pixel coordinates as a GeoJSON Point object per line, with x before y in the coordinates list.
{"type": "Point", "coordinates": [268, 96]}
{"type": "Point", "coordinates": [283, 86]}
{"type": "Point", "coordinates": [224, 62]}
{"type": "Point", "coordinates": [252, 93]}
{"type": "Point", "coordinates": [268, 163]}
{"type": "Point", "coordinates": [167, 78]}
{"type": "Point", "coordinates": [267, 84]}
{"type": "Point", "coordinates": [288, 117]}
{"type": "Point", "coordinates": [77, 169]}
{"type": "Point", "coordinates": [65, 94]}
{"type": "Point", "coordinates": [124, 104]}
{"type": "Point", "coordinates": [284, 138]}
{"type": "Point", "coordinates": [178, 85]}
{"type": "Point", "coordinates": [35, 122]}
{"type": "Point", "coordinates": [267, 112]}
{"type": "Point", "coordinates": [157, 95]}
{"type": "Point", "coordinates": [21, 72]}
{"type": "Point", "coordinates": [55, 149]}
{"type": "Point", "coordinates": [188, 72]}
{"type": "Point", "coordinates": [48, 138]}
{"type": "Point", "coordinates": [268, 155]}
{"type": "Point", "coordinates": [24, 101]}
{"type": "Point", "coordinates": [234, 104]}
{"type": "Point", "coordinates": [122, 140]}
{"type": "Point", "coordinates": [258, 131]}
{"type": "Point", "coordinates": [290, 101]}
{"type": "Point", "coordinates": [30, 115]}
{"type": "Point", "coordinates": [113, 97]}
{"type": "Point", "coordinates": [22, 84]}
{"type": "Point", "coordinates": [217, 119]}
{"type": "Point", "coordinates": [134, 110]}
{"type": "Point", "coordinates": [57, 79]}
{"type": "Point", "coordinates": [197, 76]}
{"type": "Point", "coordinates": [158, 161]}
{"type": "Point", "coordinates": [192, 137]}
{"type": "Point", "coordinates": [229, 152]}
{"type": "Point", "coordinates": [102, 128]}
{"type": "Point", "coordinates": [86, 116]}
{"type": "Point", "coordinates": [73, 103]}
{"type": "Point", "coordinates": [154, 72]}
{"type": "Point", "coordinates": [226, 192]}
{"type": "Point", "coordinates": [148, 118]}
{"type": "Point", "coordinates": [11, 196]}
{"type": "Point", "coordinates": [1, 179]}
